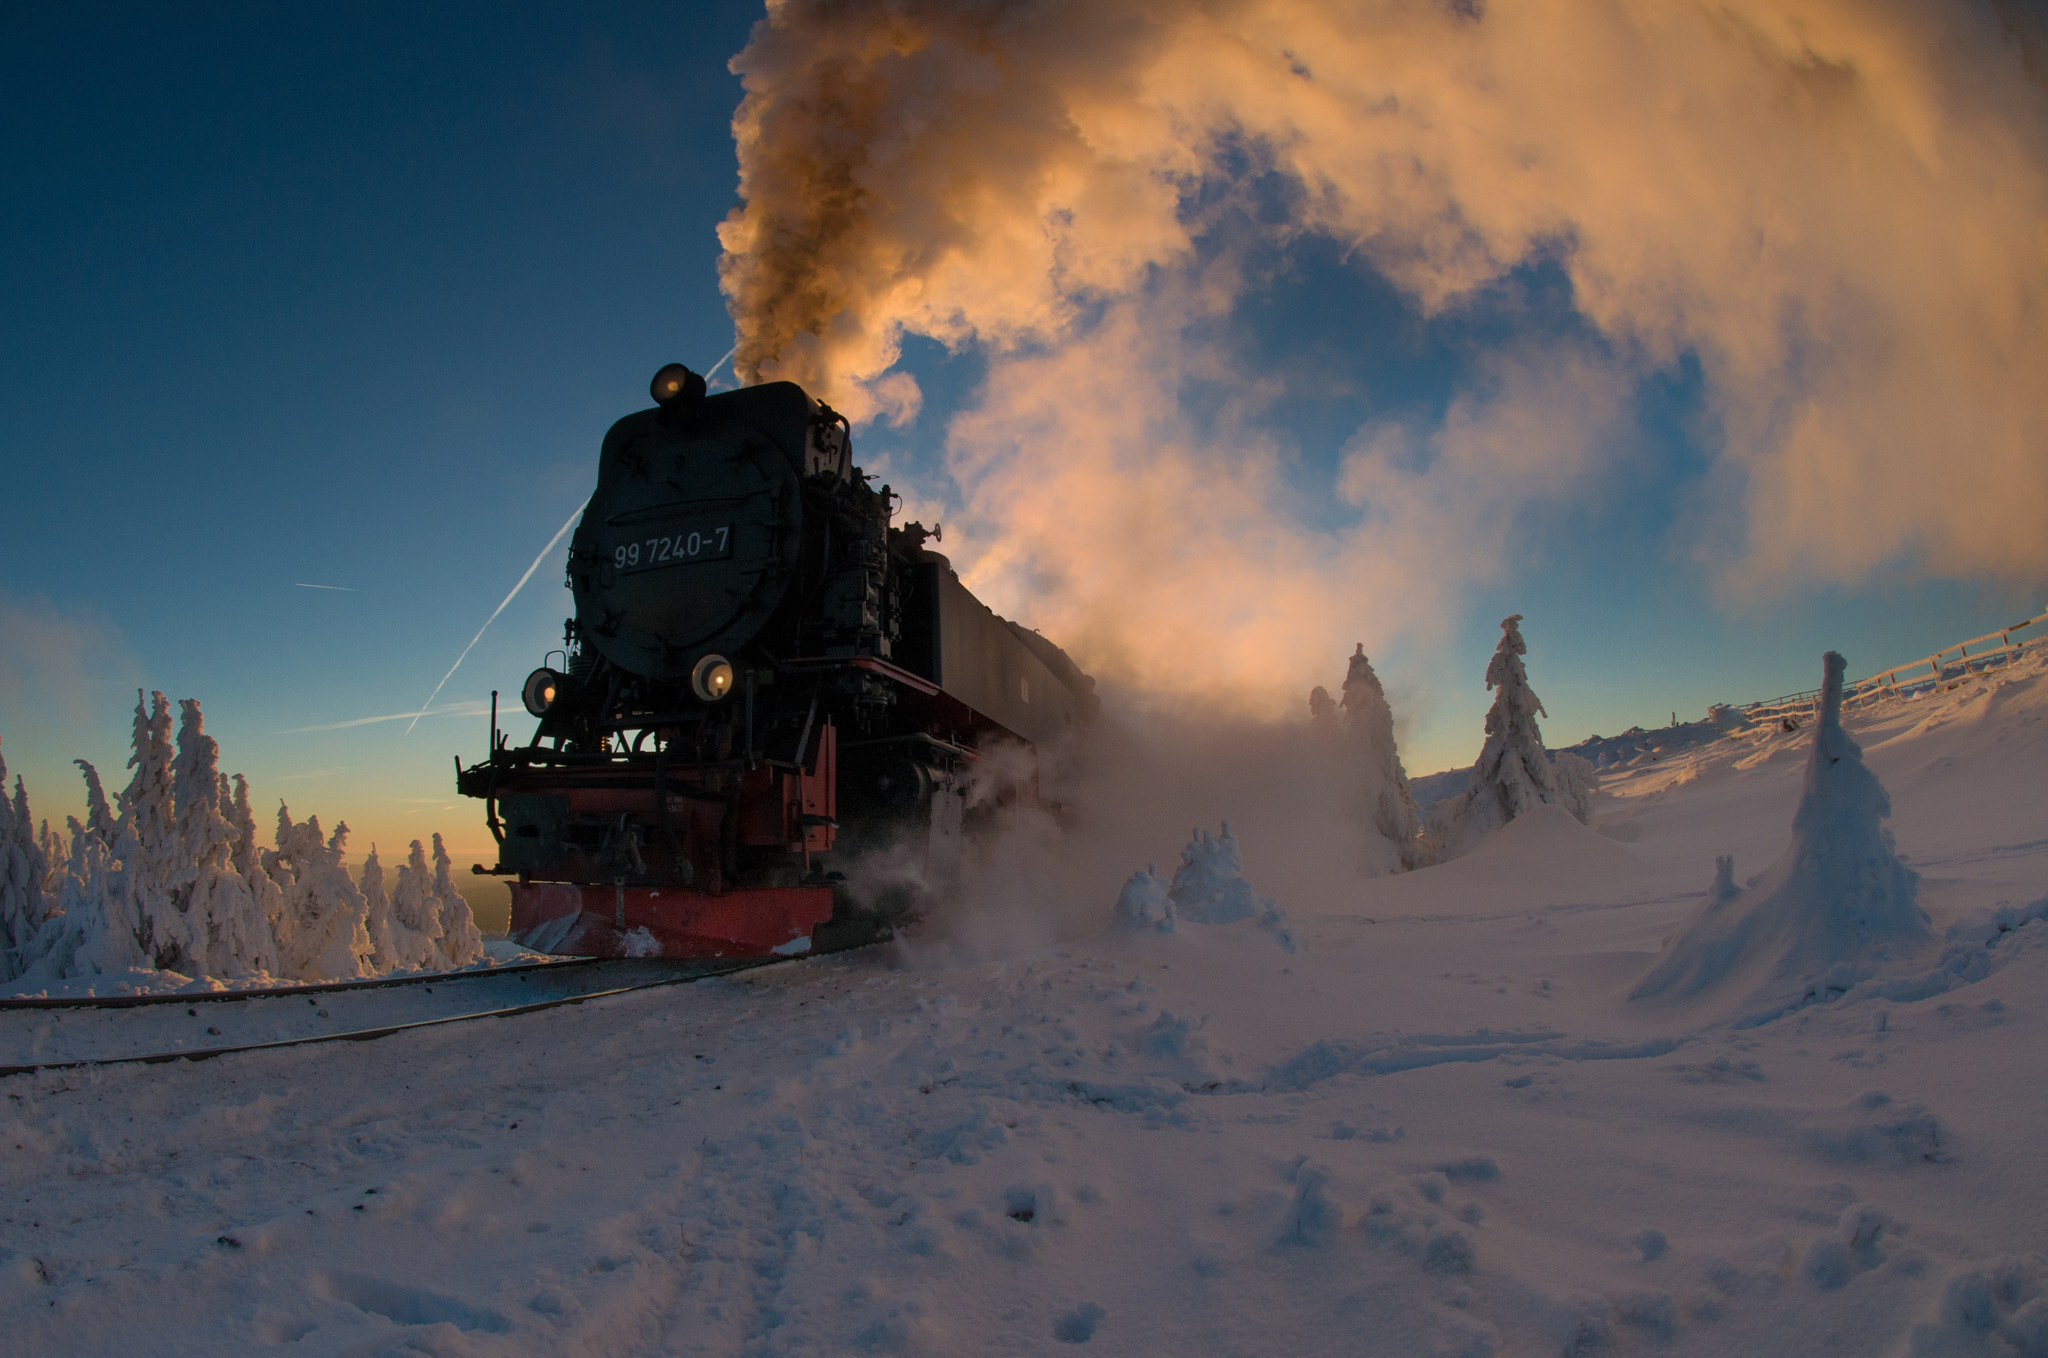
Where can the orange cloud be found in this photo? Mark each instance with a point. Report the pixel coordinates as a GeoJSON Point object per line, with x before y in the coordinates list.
{"type": "Point", "coordinates": [1837, 207]}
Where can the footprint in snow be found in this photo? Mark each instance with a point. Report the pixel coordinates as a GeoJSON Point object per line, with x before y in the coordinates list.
{"type": "Point", "coordinates": [1078, 1325]}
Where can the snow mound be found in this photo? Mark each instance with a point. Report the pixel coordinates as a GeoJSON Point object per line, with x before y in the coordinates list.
{"type": "Point", "coordinates": [1208, 888]}
{"type": "Point", "coordinates": [1837, 901]}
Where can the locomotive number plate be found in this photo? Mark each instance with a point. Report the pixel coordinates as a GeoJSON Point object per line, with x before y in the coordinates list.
{"type": "Point", "coordinates": [673, 549]}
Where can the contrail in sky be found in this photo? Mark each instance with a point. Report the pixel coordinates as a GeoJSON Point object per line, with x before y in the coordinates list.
{"type": "Point", "coordinates": [463, 709]}
{"type": "Point", "coordinates": [722, 362]}
{"type": "Point", "coordinates": [341, 588]}
{"type": "Point", "coordinates": [566, 526]}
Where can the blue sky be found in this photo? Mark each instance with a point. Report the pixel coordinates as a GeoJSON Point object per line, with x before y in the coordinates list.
{"type": "Point", "coordinates": [300, 298]}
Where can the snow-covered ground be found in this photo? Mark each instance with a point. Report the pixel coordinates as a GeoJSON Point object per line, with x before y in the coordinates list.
{"type": "Point", "coordinates": [1440, 1127]}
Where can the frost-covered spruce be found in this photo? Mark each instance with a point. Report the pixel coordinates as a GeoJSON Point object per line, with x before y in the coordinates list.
{"type": "Point", "coordinates": [458, 942]}
{"type": "Point", "coordinates": [1837, 900]}
{"type": "Point", "coordinates": [147, 846]}
{"type": "Point", "coordinates": [99, 817]}
{"type": "Point", "coordinates": [324, 937]}
{"type": "Point", "coordinates": [88, 935]}
{"type": "Point", "coordinates": [377, 921]}
{"type": "Point", "coordinates": [24, 874]}
{"type": "Point", "coordinates": [1322, 713]}
{"type": "Point", "coordinates": [230, 934]}
{"type": "Point", "coordinates": [1209, 887]}
{"type": "Point", "coordinates": [1390, 802]}
{"type": "Point", "coordinates": [267, 896]}
{"type": "Point", "coordinates": [1577, 780]}
{"type": "Point", "coordinates": [1144, 906]}
{"type": "Point", "coordinates": [415, 910]}
{"type": "Point", "coordinates": [1513, 773]}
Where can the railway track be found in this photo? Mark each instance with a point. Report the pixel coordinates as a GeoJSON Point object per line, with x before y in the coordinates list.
{"type": "Point", "coordinates": [276, 1017]}
{"type": "Point", "coordinates": [427, 979]}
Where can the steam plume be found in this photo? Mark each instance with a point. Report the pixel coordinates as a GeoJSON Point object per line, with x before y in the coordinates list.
{"type": "Point", "coordinates": [1834, 207]}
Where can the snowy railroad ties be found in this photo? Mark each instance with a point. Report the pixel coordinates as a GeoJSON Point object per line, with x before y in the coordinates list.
{"type": "Point", "coordinates": [388, 1013]}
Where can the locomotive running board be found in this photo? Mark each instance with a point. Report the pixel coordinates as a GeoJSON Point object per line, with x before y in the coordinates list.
{"type": "Point", "coordinates": [569, 920]}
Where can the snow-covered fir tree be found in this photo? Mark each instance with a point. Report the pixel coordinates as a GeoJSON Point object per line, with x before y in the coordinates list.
{"type": "Point", "coordinates": [229, 937]}
{"type": "Point", "coordinates": [1577, 780]}
{"type": "Point", "coordinates": [323, 934]}
{"type": "Point", "coordinates": [24, 873]}
{"type": "Point", "coordinates": [99, 817]}
{"type": "Point", "coordinates": [1390, 807]}
{"type": "Point", "coordinates": [1513, 773]}
{"type": "Point", "coordinates": [1322, 713]}
{"type": "Point", "coordinates": [1144, 905]}
{"type": "Point", "coordinates": [377, 914]}
{"type": "Point", "coordinates": [415, 909]}
{"type": "Point", "coordinates": [457, 938]}
{"type": "Point", "coordinates": [93, 932]}
{"type": "Point", "coordinates": [1838, 896]}
{"type": "Point", "coordinates": [147, 843]}
{"type": "Point", "coordinates": [173, 877]}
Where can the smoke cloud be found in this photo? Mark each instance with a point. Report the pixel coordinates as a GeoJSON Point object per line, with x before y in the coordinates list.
{"type": "Point", "coordinates": [1834, 208]}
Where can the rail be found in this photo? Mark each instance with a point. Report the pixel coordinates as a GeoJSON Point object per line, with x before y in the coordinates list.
{"type": "Point", "coordinates": [427, 979]}
{"type": "Point", "coordinates": [1948, 666]}
{"type": "Point", "coordinates": [164, 1056]}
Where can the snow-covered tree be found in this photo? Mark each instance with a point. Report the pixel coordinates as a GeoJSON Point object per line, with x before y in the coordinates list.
{"type": "Point", "coordinates": [99, 817]}
{"type": "Point", "coordinates": [1322, 713]}
{"type": "Point", "coordinates": [415, 909]}
{"type": "Point", "coordinates": [377, 920]}
{"type": "Point", "coordinates": [1513, 773]}
{"type": "Point", "coordinates": [1577, 780]}
{"type": "Point", "coordinates": [53, 857]}
{"type": "Point", "coordinates": [172, 877]}
{"type": "Point", "coordinates": [1837, 900]}
{"type": "Point", "coordinates": [1143, 906]}
{"type": "Point", "coordinates": [1390, 803]}
{"type": "Point", "coordinates": [148, 846]}
{"type": "Point", "coordinates": [458, 939]}
{"type": "Point", "coordinates": [323, 934]}
{"type": "Point", "coordinates": [1209, 888]}
{"type": "Point", "coordinates": [94, 931]}
{"type": "Point", "coordinates": [230, 936]}
{"type": "Point", "coordinates": [24, 874]}
{"type": "Point", "coordinates": [266, 895]}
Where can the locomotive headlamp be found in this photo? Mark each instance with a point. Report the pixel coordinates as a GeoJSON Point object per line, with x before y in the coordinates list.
{"type": "Point", "coordinates": [676, 385]}
{"type": "Point", "coordinates": [543, 687]}
{"type": "Point", "coordinates": [712, 678]}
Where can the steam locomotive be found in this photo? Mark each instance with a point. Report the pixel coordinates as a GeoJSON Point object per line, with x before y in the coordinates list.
{"type": "Point", "coordinates": [763, 680]}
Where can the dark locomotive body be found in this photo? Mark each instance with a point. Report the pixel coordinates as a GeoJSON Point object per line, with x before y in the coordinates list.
{"type": "Point", "coordinates": [763, 679]}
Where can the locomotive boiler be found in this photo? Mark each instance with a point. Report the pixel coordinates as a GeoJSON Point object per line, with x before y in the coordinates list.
{"type": "Point", "coordinates": [764, 679]}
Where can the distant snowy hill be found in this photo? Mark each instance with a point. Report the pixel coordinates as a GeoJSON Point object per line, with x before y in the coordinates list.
{"type": "Point", "coordinates": [1428, 1121]}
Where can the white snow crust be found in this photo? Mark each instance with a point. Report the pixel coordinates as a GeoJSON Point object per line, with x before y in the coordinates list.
{"type": "Point", "coordinates": [1440, 1127]}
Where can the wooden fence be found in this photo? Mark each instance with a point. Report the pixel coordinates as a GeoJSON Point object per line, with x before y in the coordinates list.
{"type": "Point", "coordinates": [1944, 669]}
